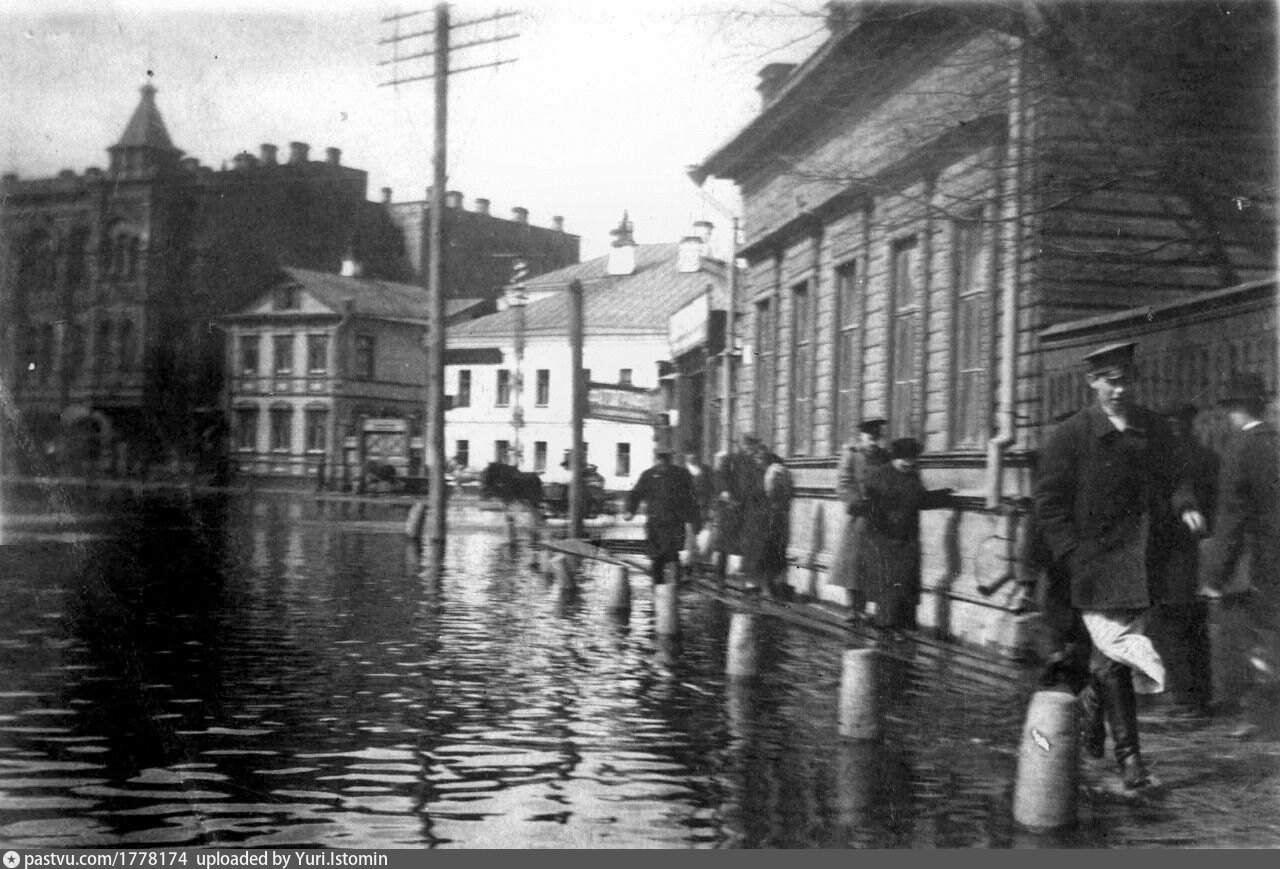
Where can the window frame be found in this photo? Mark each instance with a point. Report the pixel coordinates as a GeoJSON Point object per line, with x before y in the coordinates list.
{"type": "Point", "coordinates": [542, 387]}
{"type": "Point", "coordinates": [278, 341]}
{"type": "Point", "coordinates": [622, 459]}
{"type": "Point", "coordinates": [966, 428]}
{"type": "Point", "coordinates": [462, 398]}
{"type": "Point", "coordinates": [766, 367]}
{"type": "Point", "coordinates": [322, 339]}
{"type": "Point", "coordinates": [275, 414]}
{"type": "Point", "coordinates": [250, 345]}
{"type": "Point", "coordinates": [904, 313]}
{"type": "Point", "coordinates": [800, 403]}
{"type": "Point", "coordinates": [253, 416]}
{"type": "Point", "coordinates": [502, 388]}
{"type": "Point", "coordinates": [310, 416]}
{"type": "Point", "coordinates": [846, 384]}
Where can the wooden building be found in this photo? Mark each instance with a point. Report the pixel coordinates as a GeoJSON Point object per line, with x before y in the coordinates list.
{"type": "Point", "coordinates": [940, 183]}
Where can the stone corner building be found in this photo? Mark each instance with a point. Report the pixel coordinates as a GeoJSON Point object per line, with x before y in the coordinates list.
{"type": "Point", "coordinates": [110, 281]}
{"type": "Point", "coordinates": [936, 186]}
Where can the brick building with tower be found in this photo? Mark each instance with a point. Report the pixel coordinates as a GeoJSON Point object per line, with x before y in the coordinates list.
{"type": "Point", "coordinates": [110, 280]}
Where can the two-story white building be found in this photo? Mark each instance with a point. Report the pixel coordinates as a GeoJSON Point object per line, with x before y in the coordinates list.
{"type": "Point", "coordinates": [517, 407]}
{"type": "Point", "coordinates": [326, 373]}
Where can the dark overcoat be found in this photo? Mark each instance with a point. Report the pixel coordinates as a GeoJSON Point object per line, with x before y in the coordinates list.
{"type": "Point", "coordinates": [891, 546]}
{"type": "Point", "coordinates": [667, 493]}
{"type": "Point", "coordinates": [846, 565]}
{"type": "Point", "coordinates": [1099, 493]}
{"type": "Point", "coordinates": [1246, 530]}
{"type": "Point", "coordinates": [741, 482]}
{"type": "Point", "coordinates": [1177, 547]}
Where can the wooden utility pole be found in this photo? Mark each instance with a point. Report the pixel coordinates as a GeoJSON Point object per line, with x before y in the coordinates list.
{"type": "Point", "coordinates": [434, 432]}
{"type": "Point", "coordinates": [434, 427]}
{"type": "Point", "coordinates": [576, 492]}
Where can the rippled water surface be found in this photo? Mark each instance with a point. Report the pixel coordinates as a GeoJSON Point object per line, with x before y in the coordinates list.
{"type": "Point", "coordinates": [236, 676]}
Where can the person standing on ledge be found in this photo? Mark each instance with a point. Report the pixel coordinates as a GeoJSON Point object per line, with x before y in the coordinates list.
{"type": "Point", "coordinates": [895, 497]}
{"type": "Point", "coordinates": [851, 487]}
{"type": "Point", "coordinates": [1108, 476]}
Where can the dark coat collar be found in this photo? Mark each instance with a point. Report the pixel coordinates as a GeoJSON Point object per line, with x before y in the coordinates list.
{"type": "Point", "coordinates": [1101, 426]}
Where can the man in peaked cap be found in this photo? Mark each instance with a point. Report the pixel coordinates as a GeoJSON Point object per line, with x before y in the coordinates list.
{"type": "Point", "coordinates": [1107, 476]}
{"type": "Point", "coordinates": [1243, 556]}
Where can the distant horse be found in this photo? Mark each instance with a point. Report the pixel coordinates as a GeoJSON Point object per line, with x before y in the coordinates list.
{"type": "Point", "coordinates": [509, 484]}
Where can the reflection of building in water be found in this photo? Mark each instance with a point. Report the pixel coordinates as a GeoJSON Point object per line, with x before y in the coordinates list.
{"type": "Point", "coordinates": [294, 558]}
{"type": "Point", "coordinates": [260, 555]}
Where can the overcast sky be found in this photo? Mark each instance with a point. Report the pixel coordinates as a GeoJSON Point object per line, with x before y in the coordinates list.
{"type": "Point", "coordinates": [605, 106]}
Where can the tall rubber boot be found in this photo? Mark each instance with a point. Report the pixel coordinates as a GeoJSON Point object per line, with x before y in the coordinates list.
{"type": "Point", "coordinates": [1093, 728]}
{"type": "Point", "coordinates": [1121, 706]}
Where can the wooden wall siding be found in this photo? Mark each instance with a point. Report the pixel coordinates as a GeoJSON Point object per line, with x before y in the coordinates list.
{"type": "Point", "coordinates": [1140, 241]}
{"type": "Point", "coordinates": [864, 129]}
{"type": "Point", "coordinates": [1186, 351]}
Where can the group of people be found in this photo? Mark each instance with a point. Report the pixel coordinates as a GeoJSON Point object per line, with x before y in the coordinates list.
{"type": "Point", "coordinates": [1129, 522]}
{"type": "Point", "coordinates": [877, 560]}
{"type": "Point", "coordinates": [744, 504]}
{"type": "Point", "coordinates": [1131, 516]}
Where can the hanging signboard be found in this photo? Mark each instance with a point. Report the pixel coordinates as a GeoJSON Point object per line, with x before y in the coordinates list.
{"type": "Point", "coordinates": [619, 403]}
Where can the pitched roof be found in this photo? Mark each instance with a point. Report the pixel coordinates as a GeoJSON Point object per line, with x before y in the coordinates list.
{"type": "Point", "coordinates": [146, 127]}
{"type": "Point", "coordinates": [374, 298]}
{"type": "Point", "coordinates": [638, 303]}
{"type": "Point", "coordinates": [384, 300]}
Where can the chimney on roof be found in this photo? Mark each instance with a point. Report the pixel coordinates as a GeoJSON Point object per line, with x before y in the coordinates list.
{"type": "Point", "coordinates": [243, 160]}
{"type": "Point", "coordinates": [520, 214]}
{"type": "Point", "coordinates": [333, 156]}
{"type": "Point", "coordinates": [298, 152]}
{"type": "Point", "coordinates": [351, 268]}
{"type": "Point", "coordinates": [689, 255]}
{"type": "Point", "coordinates": [703, 229]}
{"type": "Point", "coordinates": [482, 205]}
{"type": "Point", "coordinates": [386, 195]}
{"type": "Point", "coordinates": [453, 199]}
{"type": "Point", "coordinates": [66, 173]}
{"type": "Point", "coordinates": [557, 223]}
{"type": "Point", "coordinates": [772, 78]}
{"type": "Point", "coordinates": [95, 172]}
{"type": "Point", "coordinates": [622, 254]}
{"type": "Point", "coordinates": [269, 152]}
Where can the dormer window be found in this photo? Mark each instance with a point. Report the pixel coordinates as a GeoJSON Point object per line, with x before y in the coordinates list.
{"type": "Point", "coordinates": [286, 298]}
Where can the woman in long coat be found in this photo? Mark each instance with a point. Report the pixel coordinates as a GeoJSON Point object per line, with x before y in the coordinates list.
{"type": "Point", "coordinates": [891, 547]}
{"type": "Point", "coordinates": [858, 459]}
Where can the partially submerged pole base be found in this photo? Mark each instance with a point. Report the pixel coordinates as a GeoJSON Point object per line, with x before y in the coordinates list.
{"type": "Point", "coordinates": [860, 694]}
{"type": "Point", "coordinates": [1044, 795]}
{"type": "Point", "coordinates": [562, 572]}
{"type": "Point", "coordinates": [743, 658]}
{"type": "Point", "coordinates": [666, 609]}
{"type": "Point", "coordinates": [618, 591]}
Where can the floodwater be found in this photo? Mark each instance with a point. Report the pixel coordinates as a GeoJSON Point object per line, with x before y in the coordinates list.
{"type": "Point", "coordinates": [226, 674]}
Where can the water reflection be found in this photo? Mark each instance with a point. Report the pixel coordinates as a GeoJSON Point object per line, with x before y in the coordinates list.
{"type": "Point", "coordinates": [230, 674]}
